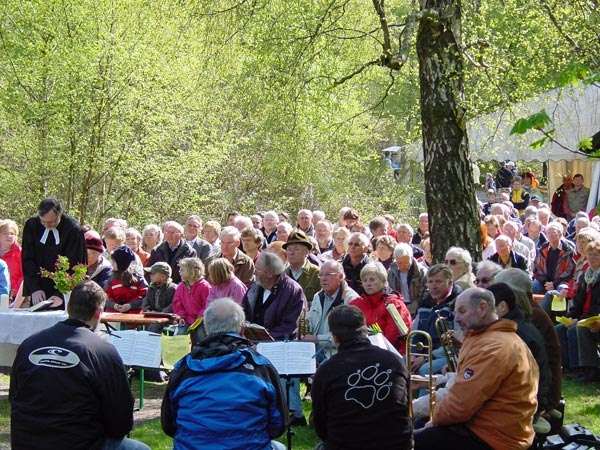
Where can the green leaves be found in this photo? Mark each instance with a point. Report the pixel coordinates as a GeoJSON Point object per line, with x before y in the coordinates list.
{"type": "Point", "coordinates": [537, 121]}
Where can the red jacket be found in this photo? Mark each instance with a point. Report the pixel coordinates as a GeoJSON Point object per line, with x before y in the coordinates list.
{"type": "Point", "coordinates": [117, 293]}
{"type": "Point", "coordinates": [12, 258]}
{"type": "Point", "coordinates": [373, 307]}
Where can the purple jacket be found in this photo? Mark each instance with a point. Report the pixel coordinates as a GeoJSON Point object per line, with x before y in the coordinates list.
{"type": "Point", "coordinates": [282, 307]}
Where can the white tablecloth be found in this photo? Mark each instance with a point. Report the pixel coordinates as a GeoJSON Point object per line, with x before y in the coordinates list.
{"type": "Point", "coordinates": [16, 326]}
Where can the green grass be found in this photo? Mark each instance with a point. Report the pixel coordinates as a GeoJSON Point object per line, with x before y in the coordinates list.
{"type": "Point", "coordinates": [582, 404]}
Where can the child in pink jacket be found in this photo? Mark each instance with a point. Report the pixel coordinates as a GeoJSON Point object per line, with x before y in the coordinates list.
{"type": "Point", "coordinates": [189, 301]}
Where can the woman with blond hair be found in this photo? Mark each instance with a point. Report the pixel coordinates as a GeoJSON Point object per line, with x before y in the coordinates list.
{"type": "Point", "coordinates": [341, 236]}
{"type": "Point", "coordinates": [190, 299]}
{"type": "Point", "coordinates": [152, 237]}
{"type": "Point", "coordinates": [10, 253]}
{"type": "Point", "coordinates": [223, 282]}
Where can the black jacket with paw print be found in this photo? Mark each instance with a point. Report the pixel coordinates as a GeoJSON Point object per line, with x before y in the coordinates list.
{"type": "Point", "coordinates": [360, 399]}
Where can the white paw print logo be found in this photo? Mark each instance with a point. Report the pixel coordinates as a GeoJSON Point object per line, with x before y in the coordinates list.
{"type": "Point", "coordinates": [367, 385]}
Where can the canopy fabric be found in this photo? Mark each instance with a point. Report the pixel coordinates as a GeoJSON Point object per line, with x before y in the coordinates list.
{"type": "Point", "coordinates": [575, 113]}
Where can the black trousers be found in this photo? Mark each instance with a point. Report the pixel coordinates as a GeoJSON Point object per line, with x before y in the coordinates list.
{"type": "Point", "coordinates": [451, 437]}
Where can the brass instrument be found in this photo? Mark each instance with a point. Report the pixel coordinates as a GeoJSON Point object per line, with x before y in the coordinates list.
{"type": "Point", "coordinates": [450, 350]}
{"type": "Point", "coordinates": [425, 350]}
{"type": "Point", "coordinates": [303, 325]}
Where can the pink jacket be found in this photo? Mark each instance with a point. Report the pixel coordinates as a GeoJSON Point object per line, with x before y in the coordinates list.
{"type": "Point", "coordinates": [189, 303]}
{"type": "Point", "coordinates": [233, 288]}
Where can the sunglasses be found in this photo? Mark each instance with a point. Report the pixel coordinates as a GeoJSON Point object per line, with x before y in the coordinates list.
{"type": "Point", "coordinates": [452, 262]}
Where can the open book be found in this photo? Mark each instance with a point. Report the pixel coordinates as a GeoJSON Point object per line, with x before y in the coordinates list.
{"type": "Point", "coordinates": [290, 358]}
{"type": "Point", "coordinates": [41, 306]}
{"type": "Point", "coordinates": [137, 348]}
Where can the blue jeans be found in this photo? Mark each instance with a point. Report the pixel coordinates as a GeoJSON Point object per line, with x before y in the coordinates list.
{"type": "Point", "coordinates": [538, 287]}
{"type": "Point", "coordinates": [568, 345]}
{"type": "Point", "coordinates": [295, 402]}
{"type": "Point", "coordinates": [588, 347]}
{"type": "Point", "coordinates": [124, 444]}
{"type": "Point", "coordinates": [438, 363]}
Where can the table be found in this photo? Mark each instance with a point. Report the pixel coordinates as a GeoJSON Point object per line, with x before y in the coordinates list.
{"type": "Point", "coordinates": [137, 320]}
{"type": "Point", "coordinates": [17, 325]}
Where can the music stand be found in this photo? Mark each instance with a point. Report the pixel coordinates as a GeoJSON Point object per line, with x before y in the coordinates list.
{"type": "Point", "coordinates": [292, 359]}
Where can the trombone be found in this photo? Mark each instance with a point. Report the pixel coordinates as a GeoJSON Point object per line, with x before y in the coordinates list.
{"type": "Point", "coordinates": [424, 349]}
{"type": "Point", "coordinates": [441, 326]}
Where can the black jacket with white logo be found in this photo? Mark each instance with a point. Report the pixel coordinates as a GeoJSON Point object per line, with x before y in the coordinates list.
{"type": "Point", "coordinates": [68, 390]}
{"type": "Point", "coordinates": [360, 399]}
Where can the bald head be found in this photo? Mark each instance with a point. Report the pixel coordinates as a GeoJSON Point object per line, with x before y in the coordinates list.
{"type": "Point", "coordinates": [475, 309]}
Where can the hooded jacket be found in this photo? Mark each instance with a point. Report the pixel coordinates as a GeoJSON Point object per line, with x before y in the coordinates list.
{"type": "Point", "coordinates": [494, 394]}
{"type": "Point", "coordinates": [223, 395]}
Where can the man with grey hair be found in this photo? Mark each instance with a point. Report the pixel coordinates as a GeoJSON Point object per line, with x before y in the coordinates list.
{"type": "Point", "coordinates": [173, 249]}
{"type": "Point", "coordinates": [224, 393]}
{"type": "Point", "coordinates": [242, 222]}
{"type": "Point", "coordinates": [269, 229]}
{"type": "Point", "coordinates": [334, 292]}
{"type": "Point", "coordinates": [494, 397]}
{"type": "Point", "coordinates": [243, 267]}
{"type": "Point", "coordinates": [192, 230]}
{"type": "Point", "coordinates": [355, 260]}
{"type": "Point", "coordinates": [275, 301]}
{"type": "Point", "coordinates": [405, 233]}
{"type": "Point", "coordinates": [317, 216]}
{"type": "Point", "coordinates": [485, 273]}
{"type": "Point", "coordinates": [408, 277]}
{"type": "Point", "coordinates": [304, 222]}
{"type": "Point", "coordinates": [505, 255]}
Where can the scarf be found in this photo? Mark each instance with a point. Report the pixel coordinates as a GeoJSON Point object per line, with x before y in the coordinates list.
{"type": "Point", "coordinates": [591, 276]}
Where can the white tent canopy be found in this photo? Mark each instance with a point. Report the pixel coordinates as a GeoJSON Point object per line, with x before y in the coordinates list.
{"type": "Point", "coordinates": [575, 113]}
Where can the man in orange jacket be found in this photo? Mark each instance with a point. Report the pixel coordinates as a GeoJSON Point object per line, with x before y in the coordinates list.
{"type": "Point", "coordinates": [492, 403]}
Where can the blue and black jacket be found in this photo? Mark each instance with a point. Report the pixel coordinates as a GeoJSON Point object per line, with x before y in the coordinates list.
{"type": "Point", "coordinates": [224, 395]}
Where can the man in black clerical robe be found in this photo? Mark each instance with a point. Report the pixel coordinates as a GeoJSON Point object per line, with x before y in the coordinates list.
{"type": "Point", "coordinates": [46, 236]}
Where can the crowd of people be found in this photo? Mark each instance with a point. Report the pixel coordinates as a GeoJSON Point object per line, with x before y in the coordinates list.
{"type": "Point", "coordinates": [346, 278]}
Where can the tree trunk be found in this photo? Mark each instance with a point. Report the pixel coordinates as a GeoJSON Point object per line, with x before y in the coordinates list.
{"type": "Point", "coordinates": [449, 188]}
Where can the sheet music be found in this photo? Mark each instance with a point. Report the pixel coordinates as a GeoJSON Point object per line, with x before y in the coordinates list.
{"type": "Point", "coordinates": [290, 358]}
{"type": "Point", "coordinates": [379, 340]}
{"type": "Point", "coordinates": [137, 348]}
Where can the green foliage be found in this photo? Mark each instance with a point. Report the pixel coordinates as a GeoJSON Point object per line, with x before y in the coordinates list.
{"type": "Point", "coordinates": [537, 121]}
{"type": "Point", "coordinates": [150, 111]}
{"type": "Point", "coordinates": [65, 278]}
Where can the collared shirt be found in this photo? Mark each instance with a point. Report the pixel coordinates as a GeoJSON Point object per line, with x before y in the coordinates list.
{"type": "Point", "coordinates": [266, 294]}
{"type": "Point", "coordinates": [296, 273]}
{"type": "Point", "coordinates": [404, 287]}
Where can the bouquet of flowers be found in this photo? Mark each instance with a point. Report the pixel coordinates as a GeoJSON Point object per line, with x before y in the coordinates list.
{"type": "Point", "coordinates": [63, 280]}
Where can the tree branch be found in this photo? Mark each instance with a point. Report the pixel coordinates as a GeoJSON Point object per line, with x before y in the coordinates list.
{"type": "Point", "coordinates": [357, 71]}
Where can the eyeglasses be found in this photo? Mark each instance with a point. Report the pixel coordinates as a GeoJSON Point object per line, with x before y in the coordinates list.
{"type": "Point", "coordinates": [452, 262]}
{"type": "Point", "coordinates": [483, 280]}
{"type": "Point", "coordinates": [328, 274]}
{"type": "Point", "coordinates": [354, 244]}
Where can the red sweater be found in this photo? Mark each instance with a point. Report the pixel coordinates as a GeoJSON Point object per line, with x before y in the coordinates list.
{"type": "Point", "coordinates": [373, 307]}
{"type": "Point", "coordinates": [117, 293]}
{"type": "Point", "coordinates": [12, 258]}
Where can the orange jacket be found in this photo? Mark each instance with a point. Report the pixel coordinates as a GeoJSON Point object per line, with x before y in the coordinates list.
{"type": "Point", "coordinates": [495, 389]}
